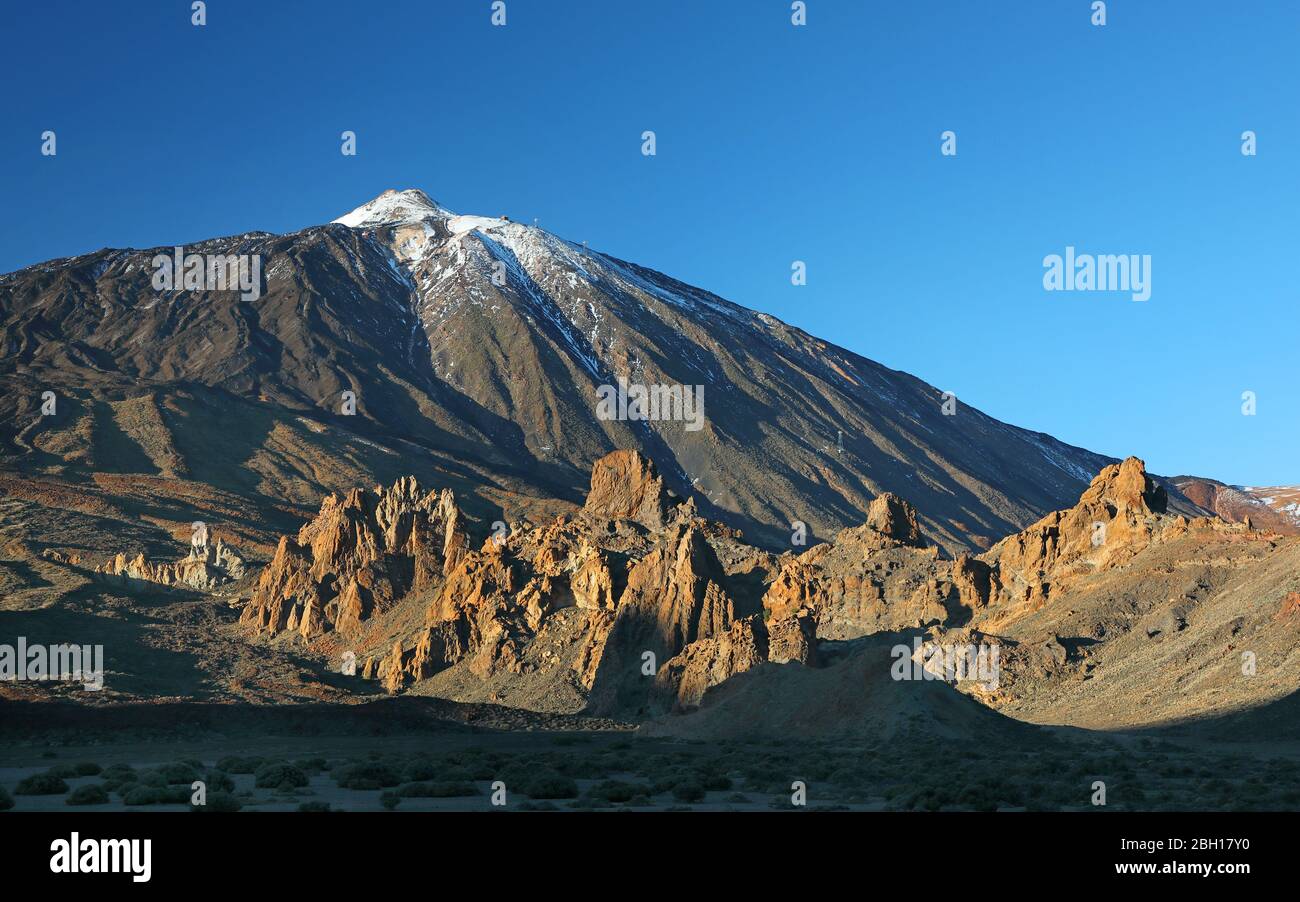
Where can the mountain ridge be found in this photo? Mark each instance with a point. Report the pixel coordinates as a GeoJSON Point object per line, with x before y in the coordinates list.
{"type": "Point", "coordinates": [483, 342]}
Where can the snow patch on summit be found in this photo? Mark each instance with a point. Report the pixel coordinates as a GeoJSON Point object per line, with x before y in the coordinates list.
{"type": "Point", "coordinates": [393, 208]}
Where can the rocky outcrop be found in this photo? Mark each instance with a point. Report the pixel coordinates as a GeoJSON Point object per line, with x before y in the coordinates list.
{"type": "Point", "coordinates": [357, 556]}
{"type": "Point", "coordinates": [683, 681]}
{"type": "Point", "coordinates": [206, 568]}
{"type": "Point", "coordinates": [438, 647]}
{"type": "Point", "coordinates": [653, 617]}
{"type": "Point", "coordinates": [894, 518]}
{"type": "Point", "coordinates": [652, 621]}
{"type": "Point", "coordinates": [627, 485]}
{"type": "Point", "coordinates": [1119, 515]}
{"type": "Point", "coordinates": [676, 591]}
{"type": "Point", "coordinates": [674, 597]}
{"type": "Point", "coordinates": [871, 578]}
{"type": "Point", "coordinates": [592, 583]}
{"type": "Point", "coordinates": [793, 639]}
{"type": "Point", "coordinates": [486, 601]}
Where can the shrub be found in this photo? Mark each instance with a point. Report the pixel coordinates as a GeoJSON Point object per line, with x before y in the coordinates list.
{"type": "Point", "coordinates": [88, 769]}
{"type": "Point", "coordinates": [235, 764]}
{"type": "Point", "coordinates": [90, 794]}
{"type": "Point", "coordinates": [366, 775]}
{"type": "Point", "coordinates": [847, 777]}
{"type": "Point", "coordinates": [115, 776]}
{"type": "Point", "coordinates": [419, 770]}
{"type": "Point", "coordinates": [389, 799]}
{"type": "Point", "coordinates": [618, 791]}
{"type": "Point", "coordinates": [6, 800]}
{"type": "Point", "coordinates": [667, 782]}
{"type": "Point", "coordinates": [41, 785]}
{"type": "Point", "coordinates": [480, 770]}
{"type": "Point", "coordinates": [536, 806]}
{"type": "Point", "coordinates": [218, 781]}
{"type": "Point", "coordinates": [142, 794]}
{"type": "Point", "coordinates": [219, 802]}
{"type": "Point", "coordinates": [62, 771]}
{"type": "Point", "coordinates": [280, 776]}
{"type": "Point", "coordinates": [688, 792]}
{"type": "Point", "coordinates": [174, 774]}
{"type": "Point", "coordinates": [442, 789]}
{"type": "Point", "coordinates": [714, 782]}
{"type": "Point", "coordinates": [551, 786]}
{"type": "Point", "coordinates": [314, 807]}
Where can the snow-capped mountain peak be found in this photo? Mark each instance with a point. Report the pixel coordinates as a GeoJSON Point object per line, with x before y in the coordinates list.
{"type": "Point", "coordinates": [394, 208]}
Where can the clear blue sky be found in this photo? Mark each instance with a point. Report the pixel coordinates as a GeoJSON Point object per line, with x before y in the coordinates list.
{"type": "Point", "coordinates": [775, 143]}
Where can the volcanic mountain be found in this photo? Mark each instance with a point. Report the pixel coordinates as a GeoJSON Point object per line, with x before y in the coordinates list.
{"type": "Point", "coordinates": [396, 454]}
{"type": "Point", "coordinates": [1276, 508]}
{"type": "Point", "coordinates": [467, 351]}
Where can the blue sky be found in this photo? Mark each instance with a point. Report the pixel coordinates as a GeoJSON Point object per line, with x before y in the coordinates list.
{"type": "Point", "coordinates": [775, 143]}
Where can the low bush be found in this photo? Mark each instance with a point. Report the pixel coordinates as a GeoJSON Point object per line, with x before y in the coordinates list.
{"type": "Point", "coordinates": [90, 794]}
{"type": "Point", "coordinates": [236, 764]}
{"type": "Point", "coordinates": [714, 782]}
{"type": "Point", "coordinates": [220, 802]}
{"type": "Point", "coordinates": [142, 794]}
{"type": "Point", "coordinates": [536, 806]}
{"type": "Point", "coordinates": [689, 792]}
{"type": "Point", "coordinates": [219, 782]}
{"type": "Point", "coordinates": [41, 785]}
{"type": "Point", "coordinates": [115, 776]}
{"type": "Point", "coordinates": [618, 791]}
{"type": "Point", "coordinates": [440, 789]}
{"type": "Point", "coordinates": [550, 786]}
{"type": "Point", "coordinates": [175, 774]}
{"type": "Point", "coordinates": [367, 775]}
{"type": "Point", "coordinates": [280, 776]}
{"type": "Point", "coordinates": [419, 770]}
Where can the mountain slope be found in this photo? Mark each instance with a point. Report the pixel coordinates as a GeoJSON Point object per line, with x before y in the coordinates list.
{"type": "Point", "coordinates": [475, 347]}
{"type": "Point", "coordinates": [1275, 508]}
